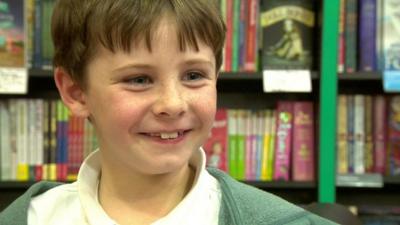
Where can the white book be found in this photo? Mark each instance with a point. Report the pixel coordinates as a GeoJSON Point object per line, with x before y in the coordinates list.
{"type": "Point", "coordinates": [359, 134]}
{"type": "Point", "coordinates": [5, 142]}
{"type": "Point", "coordinates": [13, 138]}
{"type": "Point", "coordinates": [39, 159]}
{"type": "Point", "coordinates": [31, 134]}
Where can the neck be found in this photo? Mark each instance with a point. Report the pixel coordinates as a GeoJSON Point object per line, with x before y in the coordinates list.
{"type": "Point", "coordinates": [130, 197]}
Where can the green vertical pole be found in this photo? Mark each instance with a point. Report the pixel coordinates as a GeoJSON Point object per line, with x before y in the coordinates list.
{"type": "Point", "coordinates": [328, 94]}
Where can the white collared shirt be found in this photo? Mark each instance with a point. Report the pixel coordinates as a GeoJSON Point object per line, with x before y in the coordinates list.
{"type": "Point", "coordinates": [77, 203]}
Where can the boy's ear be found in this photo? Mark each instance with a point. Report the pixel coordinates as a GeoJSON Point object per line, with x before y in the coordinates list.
{"type": "Point", "coordinates": [71, 93]}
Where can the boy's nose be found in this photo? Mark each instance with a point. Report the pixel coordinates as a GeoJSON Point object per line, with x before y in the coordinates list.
{"type": "Point", "coordinates": [170, 103]}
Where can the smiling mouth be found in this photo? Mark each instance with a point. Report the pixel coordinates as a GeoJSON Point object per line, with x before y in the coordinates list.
{"type": "Point", "coordinates": [166, 135]}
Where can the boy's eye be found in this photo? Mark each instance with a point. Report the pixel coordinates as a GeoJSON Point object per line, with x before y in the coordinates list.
{"type": "Point", "coordinates": [193, 75]}
{"type": "Point", "coordinates": [140, 80]}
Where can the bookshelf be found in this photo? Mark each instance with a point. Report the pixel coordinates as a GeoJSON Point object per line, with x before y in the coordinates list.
{"type": "Point", "coordinates": [245, 90]}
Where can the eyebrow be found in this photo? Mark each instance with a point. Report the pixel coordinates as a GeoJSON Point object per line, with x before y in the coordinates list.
{"type": "Point", "coordinates": [189, 62]}
{"type": "Point", "coordinates": [197, 61]}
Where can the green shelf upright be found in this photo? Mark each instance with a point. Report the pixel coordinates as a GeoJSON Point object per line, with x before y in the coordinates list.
{"type": "Point", "coordinates": [328, 96]}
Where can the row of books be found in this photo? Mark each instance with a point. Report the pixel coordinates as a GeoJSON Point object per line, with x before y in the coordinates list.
{"type": "Point", "coordinates": [368, 35]}
{"type": "Point", "coordinates": [40, 140]}
{"type": "Point", "coordinates": [264, 145]}
{"type": "Point", "coordinates": [368, 134]}
{"type": "Point", "coordinates": [279, 33]}
{"type": "Point", "coordinates": [276, 34]}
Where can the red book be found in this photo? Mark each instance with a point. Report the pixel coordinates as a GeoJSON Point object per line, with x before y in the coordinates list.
{"type": "Point", "coordinates": [283, 140]}
{"type": "Point", "coordinates": [229, 36]}
{"type": "Point", "coordinates": [216, 144]}
{"type": "Point", "coordinates": [303, 166]}
{"type": "Point", "coordinates": [379, 133]}
{"type": "Point", "coordinates": [251, 36]}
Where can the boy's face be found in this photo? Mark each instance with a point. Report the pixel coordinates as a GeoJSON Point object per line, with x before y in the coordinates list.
{"type": "Point", "coordinates": [151, 110]}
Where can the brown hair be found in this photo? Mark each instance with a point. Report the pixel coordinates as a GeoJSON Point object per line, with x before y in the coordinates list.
{"type": "Point", "coordinates": [79, 26]}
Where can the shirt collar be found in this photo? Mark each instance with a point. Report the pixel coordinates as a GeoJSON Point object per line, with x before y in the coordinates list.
{"type": "Point", "coordinates": [88, 181]}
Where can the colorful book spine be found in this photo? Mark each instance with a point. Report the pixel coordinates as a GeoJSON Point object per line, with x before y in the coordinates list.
{"type": "Point", "coordinates": [359, 134]}
{"type": "Point", "coordinates": [380, 128]}
{"type": "Point", "coordinates": [236, 35]}
{"type": "Point", "coordinates": [259, 143]}
{"type": "Point", "coordinates": [22, 140]}
{"type": "Point", "coordinates": [303, 168]}
{"type": "Point", "coordinates": [251, 50]}
{"type": "Point", "coordinates": [369, 144]}
{"type": "Point", "coordinates": [342, 151]}
{"type": "Point", "coordinates": [241, 144]}
{"type": "Point", "coordinates": [367, 32]}
{"type": "Point", "coordinates": [216, 144]}
{"type": "Point", "coordinates": [5, 142]}
{"type": "Point", "coordinates": [351, 36]}
{"type": "Point", "coordinates": [350, 133]}
{"type": "Point", "coordinates": [394, 137]}
{"type": "Point", "coordinates": [341, 44]}
{"type": "Point", "coordinates": [248, 167]}
{"type": "Point", "coordinates": [229, 36]}
{"type": "Point", "coordinates": [283, 140]}
{"type": "Point", "coordinates": [272, 144]}
{"type": "Point", "coordinates": [53, 141]}
{"type": "Point", "coordinates": [266, 140]}
{"type": "Point", "coordinates": [233, 142]}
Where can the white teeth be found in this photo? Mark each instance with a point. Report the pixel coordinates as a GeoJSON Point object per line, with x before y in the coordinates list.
{"type": "Point", "coordinates": [169, 135]}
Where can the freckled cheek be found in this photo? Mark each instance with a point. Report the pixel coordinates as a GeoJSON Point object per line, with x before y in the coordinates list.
{"type": "Point", "coordinates": [205, 105]}
{"type": "Point", "coordinates": [128, 114]}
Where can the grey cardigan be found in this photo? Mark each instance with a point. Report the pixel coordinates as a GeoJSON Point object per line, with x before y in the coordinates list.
{"type": "Point", "coordinates": [241, 204]}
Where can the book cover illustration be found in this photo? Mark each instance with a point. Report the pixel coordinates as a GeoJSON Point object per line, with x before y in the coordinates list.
{"type": "Point", "coordinates": [391, 41]}
{"type": "Point", "coordinates": [216, 145]}
{"type": "Point", "coordinates": [12, 33]}
{"type": "Point", "coordinates": [283, 140]}
{"type": "Point", "coordinates": [13, 73]}
{"type": "Point", "coordinates": [287, 30]}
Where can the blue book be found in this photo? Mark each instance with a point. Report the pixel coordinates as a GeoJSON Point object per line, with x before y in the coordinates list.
{"type": "Point", "coordinates": [367, 32]}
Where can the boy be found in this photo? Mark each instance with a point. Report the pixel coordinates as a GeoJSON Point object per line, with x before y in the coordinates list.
{"type": "Point", "coordinates": [144, 73]}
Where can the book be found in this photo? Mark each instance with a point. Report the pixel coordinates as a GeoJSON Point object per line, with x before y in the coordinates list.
{"type": "Point", "coordinates": [216, 144]}
{"type": "Point", "coordinates": [251, 50]}
{"type": "Point", "coordinates": [350, 133]}
{"type": "Point", "coordinates": [303, 151]}
{"type": "Point", "coordinates": [12, 35]}
{"type": "Point", "coordinates": [341, 39]}
{"type": "Point", "coordinates": [5, 143]}
{"type": "Point", "coordinates": [391, 32]}
{"type": "Point", "coordinates": [341, 134]}
{"type": "Point", "coordinates": [283, 140]}
{"type": "Point", "coordinates": [272, 143]}
{"type": "Point", "coordinates": [393, 151]}
{"type": "Point", "coordinates": [241, 144]}
{"type": "Point", "coordinates": [380, 132]}
{"type": "Point", "coordinates": [287, 31]}
{"type": "Point", "coordinates": [367, 33]}
{"type": "Point", "coordinates": [359, 134]}
{"type": "Point", "coordinates": [351, 36]}
{"type": "Point", "coordinates": [233, 142]}
{"type": "Point", "coordinates": [369, 144]}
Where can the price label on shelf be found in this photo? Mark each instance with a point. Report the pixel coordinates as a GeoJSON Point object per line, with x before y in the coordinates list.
{"type": "Point", "coordinates": [13, 80]}
{"type": "Point", "coordinates": [391, 81]}
{"type": "Point", "coordinates": [287, 81]}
